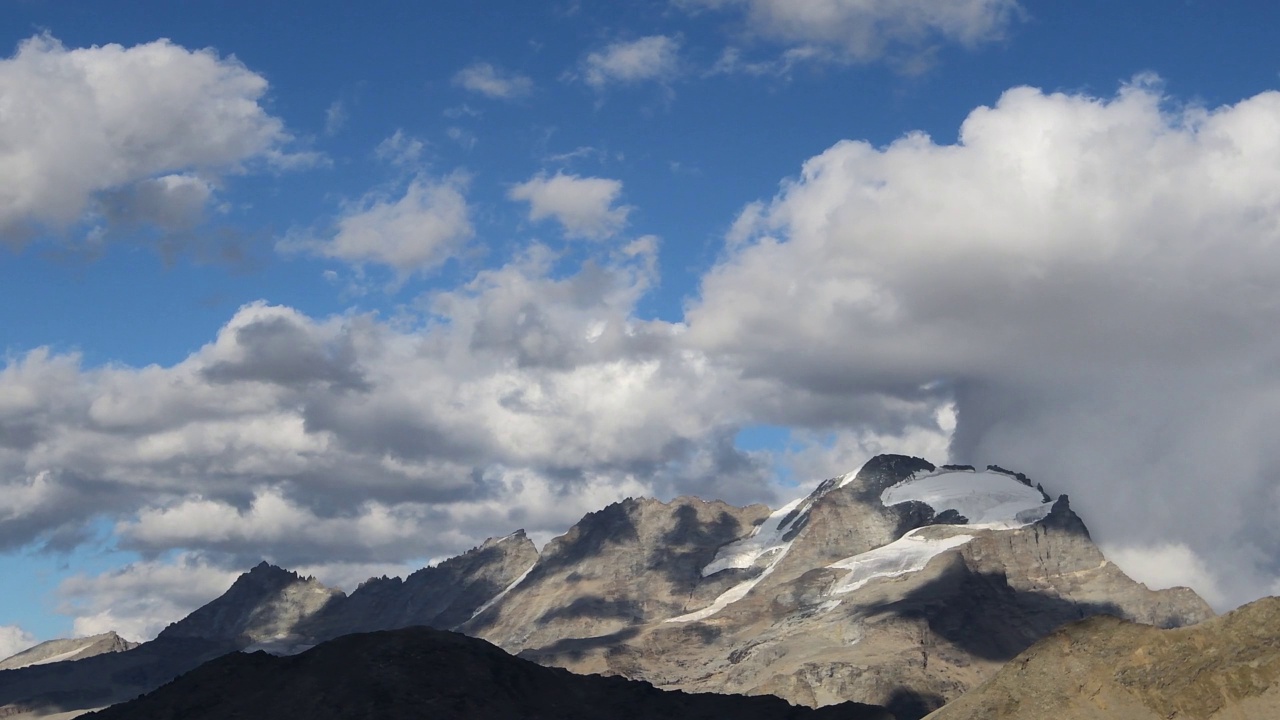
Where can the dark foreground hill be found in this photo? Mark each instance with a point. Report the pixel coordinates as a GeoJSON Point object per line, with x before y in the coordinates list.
{"type": "Point", "coordinates": [1104, 668]}
{"type": "Point", "coordinates": [423, 673]}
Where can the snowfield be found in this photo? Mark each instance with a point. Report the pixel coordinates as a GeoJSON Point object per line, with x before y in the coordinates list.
{"type": "Point", "coordinates": [989, 500]}
{"type": "Point", "coordinates": [907, 554]}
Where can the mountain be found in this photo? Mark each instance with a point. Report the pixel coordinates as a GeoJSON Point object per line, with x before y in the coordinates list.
{"type": "Point", "coordinates": [67, 649]}
{"type": "Point", "coordinates": [1106, 668]}
{"type": "Point", "coordinates": [424, 673]}
{"type": "Point", "coordinates": [902, 585]}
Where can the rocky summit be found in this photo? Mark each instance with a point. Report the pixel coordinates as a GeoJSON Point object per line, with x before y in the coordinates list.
{"type": "Point", "coordinates": [904, 584]}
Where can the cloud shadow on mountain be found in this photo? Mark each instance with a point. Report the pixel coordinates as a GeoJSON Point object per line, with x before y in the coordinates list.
{"type": "Point", "coordinates": [982, 615]}
{"type": "Point", "coordinates": [576, 649]}
{"type": "Point", "coordinates": [596, 607]}
{"type": "Point", "coordinates": [703, 539]}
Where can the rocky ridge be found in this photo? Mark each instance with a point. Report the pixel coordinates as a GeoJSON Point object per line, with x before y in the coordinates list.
{"type": "Point", "coordinates": [67, 649]}
{"type": "Point", "coordinates": [903, 585]}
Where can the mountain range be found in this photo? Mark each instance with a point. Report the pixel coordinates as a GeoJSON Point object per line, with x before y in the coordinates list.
{"type": "Point", "coordinates": [902, 585]}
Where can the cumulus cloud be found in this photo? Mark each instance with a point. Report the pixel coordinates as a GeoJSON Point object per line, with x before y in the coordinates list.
{"type": "Point", "coordinates": [584, 206]}
{"type": "Point", "coordinates": [490, 81]}
{"type": "Point", "coordinates": [863, 31]}
{"type": "Point", "coordinates": [1087, 279]}
{"type": "Point", "coordinates": [416, 231]}
{"type": "Point", "coordinates": [520, 399]}
{"type": "Point", "coordinates": [14, 640]}
{"type": "Point", "coordinates": [136, 134]}
{"type": "Point", "coordinates": [652, 58]}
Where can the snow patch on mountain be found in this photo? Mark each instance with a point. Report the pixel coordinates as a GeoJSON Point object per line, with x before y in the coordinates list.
{"type": "Point", "coordinates": [909, 553]}
{"type": "Point", "coordinates": [494, 600]}
{"type": "Point", "coordinates": [767, 541]}
{"type": "Point", "coordinates": [988, 500]}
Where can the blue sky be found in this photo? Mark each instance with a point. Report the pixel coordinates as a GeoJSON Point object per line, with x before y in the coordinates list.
{"type": "Point", "coordinates": [354, 287]}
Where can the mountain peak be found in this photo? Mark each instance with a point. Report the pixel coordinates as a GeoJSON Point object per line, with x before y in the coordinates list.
{"type": "Point", "coordinates": [265, 602]}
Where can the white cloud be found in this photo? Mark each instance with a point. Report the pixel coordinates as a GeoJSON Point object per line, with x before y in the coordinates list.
{"type": "Point", "coordinates": [335, 117]}
{"type": "Point", "coordinates": [487, 80]}
{"type": "Point", "coordinates": [652, 58]}
{"type": "Point", "coordinates": [400, 149]}
{"type": "Point", "coordinates": [584, 206]}
{"type": "Point", "coordinates": [1168, 565]}
{"type": "Point", "coordinates": [867, 30]}
{"type": "Point", "coordinates": [418, 231]}
{"type": "Point", "coordinates": [14, 640]}
{"type": "Point", "coordinates": [143, 129]}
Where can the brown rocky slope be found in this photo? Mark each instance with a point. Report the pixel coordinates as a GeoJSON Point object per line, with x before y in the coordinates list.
{"type": "Point", "coordinates": [1102, 668]}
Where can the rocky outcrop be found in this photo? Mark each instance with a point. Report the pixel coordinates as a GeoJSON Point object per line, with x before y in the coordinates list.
{"type": "Point", "coordinates": [631, 564]}
{"type": "Point", "coordinates": [1107, 668]}
{"type": "Point", "coordinates": [67, 649]}
{"type": "Point", "coordinates": [421, 673]}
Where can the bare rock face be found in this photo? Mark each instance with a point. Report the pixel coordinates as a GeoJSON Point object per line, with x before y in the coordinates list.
{"type": "Point", "coordinates": [1107, 668]}
{"type": "Point", "coordinates": [67, 649]}
{"type": "Point", "coordinates": [631, 564]}
{"type": "Point", "coordinates": [442, 596]}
